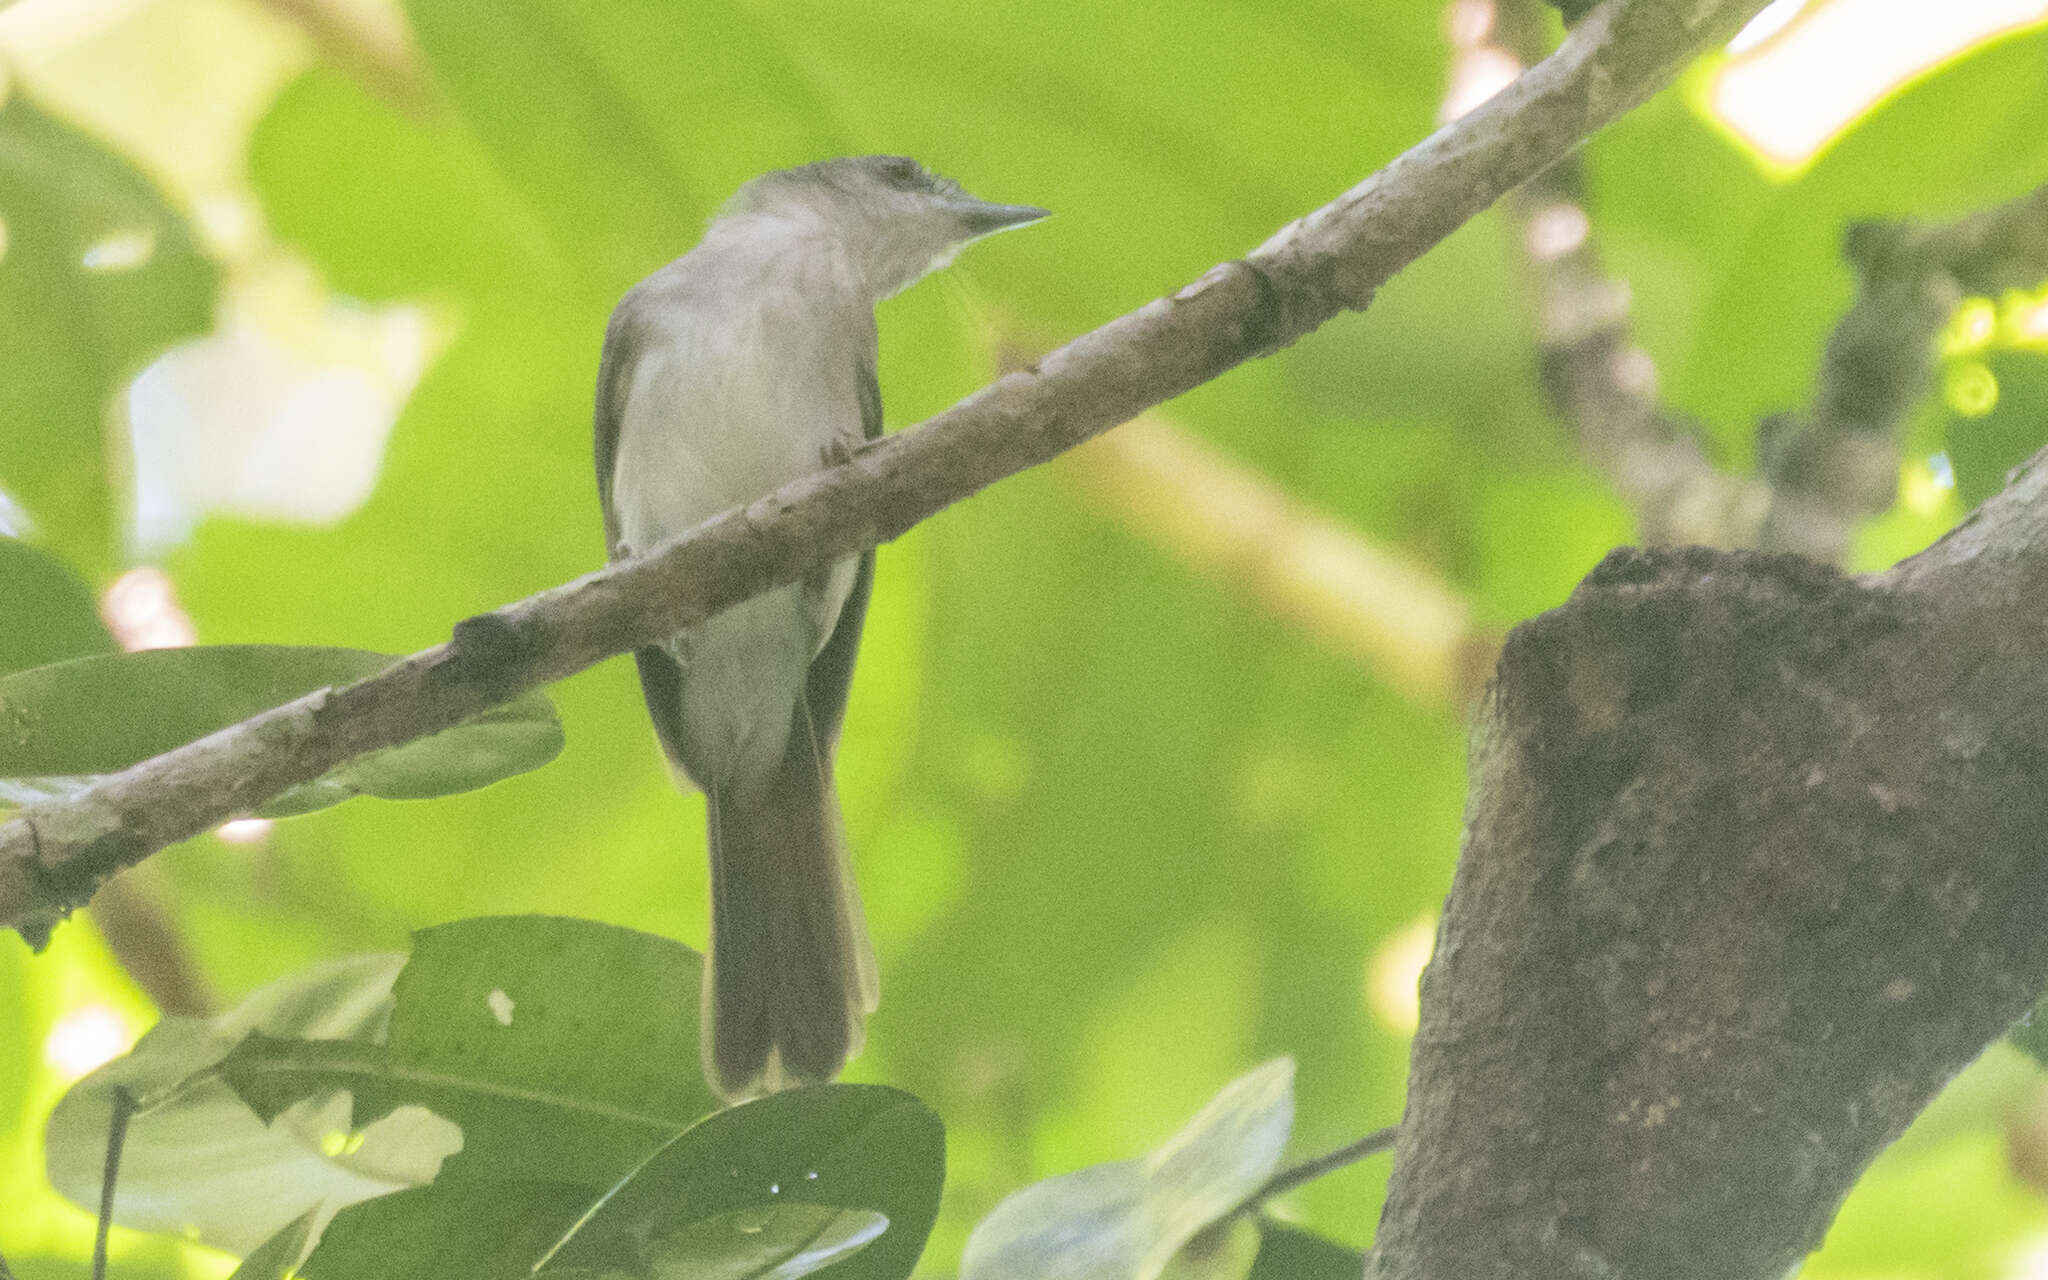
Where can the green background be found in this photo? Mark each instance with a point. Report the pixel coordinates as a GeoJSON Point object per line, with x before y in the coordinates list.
{"type": "Point", "coordinates": [1122, 833]}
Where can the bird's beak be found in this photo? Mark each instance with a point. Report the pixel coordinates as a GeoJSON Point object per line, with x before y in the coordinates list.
{"type": "Point", "coordinates": [982, 218]}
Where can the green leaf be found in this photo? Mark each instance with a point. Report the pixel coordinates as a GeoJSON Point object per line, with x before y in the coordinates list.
{"type": "Point", "coordinates": [419, 206]}
{"type": "Point", "coordinates": [1983, 448]}
{"type": "Point", "coordinates": [456, 1231]}
{"type": "Point", "coordinates": [196, 1158]}
{"type": "Point", "coordinates": [779, 1182]}
{"type": "Point", "coordinates": [1780, 291]}
{"type": "Point", "coordinates": [532, 93]}
{"type": "Point", "coordinates": [99, 274]}
{"type": "Point", "coordinates": [1289, 1253]}
{"type": "Point", "coordinates": [1126, 1221]}
{"type": "Point", "coordinates": [50, 613]}
{"type": "Point", "coordinates": [871, 1157]}
{"type": "Point", "coordinates": [779, 1242]}
{"type": "Point", "coordinates": [565, 1050]}
{"type": "Point", "coordinates": [277, 1257]}
{"type": "Point", "coordinates": [63, 724]}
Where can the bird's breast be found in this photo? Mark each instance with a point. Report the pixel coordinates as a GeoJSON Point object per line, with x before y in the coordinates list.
{"type": "Point", "coordinates": [721, 410]}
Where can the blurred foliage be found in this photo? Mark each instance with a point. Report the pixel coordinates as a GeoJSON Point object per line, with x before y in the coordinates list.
{"type": "Point", "coordinates": [60, 734]}
{"type": "Point", "coordinates": [99, 274]}
{"type": "Point", "coordinates": [1120, 834]}
{"type": "Point", "coordinates": [1129, 1219]}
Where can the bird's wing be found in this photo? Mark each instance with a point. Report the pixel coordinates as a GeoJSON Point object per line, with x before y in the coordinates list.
{"type": "Point", "coordinates": [831, 674]}
{"type": "Point", "coordinates": [614, 378]}
{"type": "Point", "coordinates": [661, 679]}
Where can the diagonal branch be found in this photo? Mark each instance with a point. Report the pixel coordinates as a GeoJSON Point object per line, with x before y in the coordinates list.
{"type": "Point", "coordinates": [1329, 261]}
{"type": "Point", "coordinates": [1837, 465]}
{"type": "Point", "coordinates": [1823, 472]}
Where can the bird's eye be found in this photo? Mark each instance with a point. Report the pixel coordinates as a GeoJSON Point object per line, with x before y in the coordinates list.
{"type": "Point", "coordinates": [902, 173]}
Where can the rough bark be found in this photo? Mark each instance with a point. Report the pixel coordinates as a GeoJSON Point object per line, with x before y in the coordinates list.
{"type": "Point", "coordinates": [53, 857]}
{"type": "Point", "coordinates": [1756, 858]}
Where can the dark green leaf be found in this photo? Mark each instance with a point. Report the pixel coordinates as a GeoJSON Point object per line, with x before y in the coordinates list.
{"type": "Point", "coordinates": [1982, 449]}
{"type": "Point", "coordinates": [99, 275]}
{"type": "Point", "coordinates": [564, 1049]}
{"type": "Point", "coordinates": [861, 1154]}
{"type": "Point", "coordinates": [853, 1149]}
{"type": "Point", "coordinates": [1289, 1253]}
{"type": "Point", "coordinates": [1126, 1221]}
{"type": "Point", "coordinates": [457, 1231]}
{"type": "Point", "coordinates": [62, 724]}
{"type": "Point", "coordinates": [49, 613]}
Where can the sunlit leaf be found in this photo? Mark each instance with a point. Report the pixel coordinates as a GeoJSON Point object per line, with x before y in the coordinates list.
{"type": "Point", "coordinates": [1126, 1221]}
{"type": "Point", "coordinates": [63, 724]}
{"type": "Point", "coordinates": [196, 1157]}
{"type": "Point", "coordinates": [278, 1257]}
{"type": "Point", "coordinates": [99, 274]}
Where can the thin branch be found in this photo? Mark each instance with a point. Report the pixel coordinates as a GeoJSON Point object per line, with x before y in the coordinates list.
{"type": "Point", "coordinates": [1326, 262]}
{"type": "Point", "coordinates": [1594, 376]}
{"type": "Point", "coordinates": [1211, 1238]}
{"type": "Point", "coordinates": [1605, 387]}
{"type": "Point", "coordinates": [368, 42]}
{"type": "Point", "coordinates": [1309, 1170]}
{"type": "Point", "coordinates": [1824, 473]}
{"type": "Point", "coordinates": [117, 1137]}
{"type": "Point", "coordinates": [1838, 465]}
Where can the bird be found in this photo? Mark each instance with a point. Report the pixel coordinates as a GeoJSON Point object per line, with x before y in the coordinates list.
{"type": "Point", "coordinates": [745, 364]}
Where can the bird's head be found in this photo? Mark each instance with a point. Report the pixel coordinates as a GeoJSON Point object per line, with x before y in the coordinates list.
{"type": "Point", "coordinates": [895, 221]}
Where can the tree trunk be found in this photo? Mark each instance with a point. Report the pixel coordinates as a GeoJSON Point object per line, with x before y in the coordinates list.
{"type": "Point", "coordinates": [1753, 864]}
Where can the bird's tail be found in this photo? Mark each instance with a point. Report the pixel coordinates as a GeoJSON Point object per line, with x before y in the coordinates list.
{"type": "Point", "coordinates": [792, 972]}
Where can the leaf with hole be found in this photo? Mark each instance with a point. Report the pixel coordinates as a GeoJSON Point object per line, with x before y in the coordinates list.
{"type": "Point", "coordinates": [565, 1050]}
{"type": "Point", "coordinates": [196, 1159]}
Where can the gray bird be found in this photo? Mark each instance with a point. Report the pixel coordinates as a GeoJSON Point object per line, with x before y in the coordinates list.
{"type": "Point", "coordinates": [745, 364]}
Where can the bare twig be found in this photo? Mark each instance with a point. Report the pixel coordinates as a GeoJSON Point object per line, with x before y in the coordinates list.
{"type": "Point", "coordinates": [1824, 473]}
{"type": "Point", "coordinates": [366, 41]}
{"type": "Point", "coordinates": [1210, 1238]}
{"type": "Point", "coordinates": [1329, 1162]}
{"type": "Point", "coordinates": [117, 1137]}
{"type": "Point", "coordinates": [1837, 465]}
{"type": "Point", "coordinates": [1596, 379]}
{"type": "Point", "coordinates": [1326, 262]}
